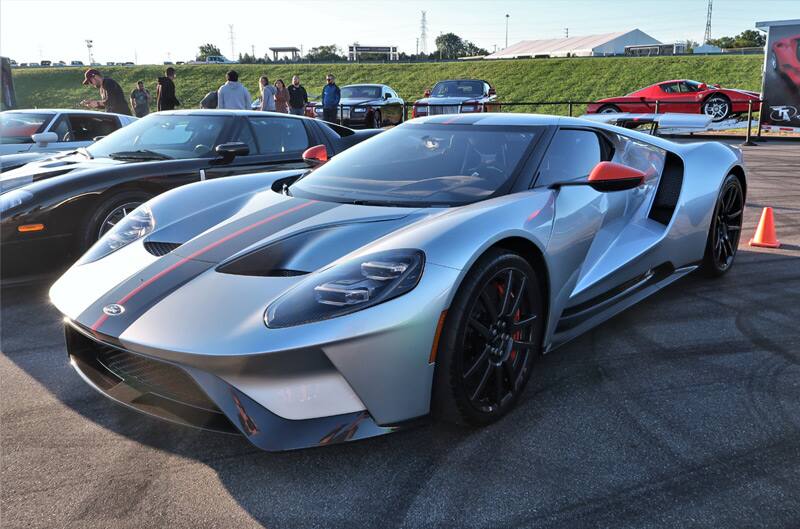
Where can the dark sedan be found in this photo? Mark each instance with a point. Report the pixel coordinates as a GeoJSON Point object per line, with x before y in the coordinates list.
{"type": "Point", "coordinates": [52, 210]}
{"type": "Point", "coordinates": [368, 106]}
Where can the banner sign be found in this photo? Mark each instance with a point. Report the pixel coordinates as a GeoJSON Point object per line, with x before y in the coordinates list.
{"type": "Point", "coordinates": [781, 88]}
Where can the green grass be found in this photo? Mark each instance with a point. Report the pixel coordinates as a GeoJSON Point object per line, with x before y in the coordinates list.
{"type": "Point", "coordinates": [516, 80]}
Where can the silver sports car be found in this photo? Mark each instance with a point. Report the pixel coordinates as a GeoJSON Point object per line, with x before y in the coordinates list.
{"type": "Point", "coordinates": [419, 273]}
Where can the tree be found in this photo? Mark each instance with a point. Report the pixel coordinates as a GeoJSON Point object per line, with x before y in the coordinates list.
{"type": "Point", "coordinates": [471, 50]}
{"type": "Point", "coordinates": [207, 49]}
{"type": "Point", "coordinates": [331, 52]}
{"type": "Point", "coordinates": [749, 38]}
{"type": "Point", "coordinates": [449, 46]}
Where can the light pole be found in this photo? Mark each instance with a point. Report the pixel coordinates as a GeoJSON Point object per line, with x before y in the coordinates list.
{"type": "Point", "coordinates": [507, 30]}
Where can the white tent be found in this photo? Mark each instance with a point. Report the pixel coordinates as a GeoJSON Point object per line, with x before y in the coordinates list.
{"type": "Point", "coordinates": [585, 46]}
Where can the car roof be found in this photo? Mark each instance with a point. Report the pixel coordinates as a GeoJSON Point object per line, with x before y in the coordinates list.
{"type": "Point", "coordinates": [491, 118]}
{"type": "Point", "coordinates": [365, 84]}
{"type": "Point", "coordinates": [59, 111]}
{"type": "Point", "coordinates": [223, 112]}
{"type": "Point", "coordinates": [463, 79]}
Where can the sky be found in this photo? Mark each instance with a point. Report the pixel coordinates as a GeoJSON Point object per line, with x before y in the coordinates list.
{"type": "Point", "coordinates": [154, 31]}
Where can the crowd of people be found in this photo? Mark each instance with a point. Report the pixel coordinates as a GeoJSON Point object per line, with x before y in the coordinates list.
{"type": "Point", "coordinates": [275, 97]}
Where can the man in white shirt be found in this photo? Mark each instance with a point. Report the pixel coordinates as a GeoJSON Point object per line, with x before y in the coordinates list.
{"type": "Point", "coordinates": [233, 95]}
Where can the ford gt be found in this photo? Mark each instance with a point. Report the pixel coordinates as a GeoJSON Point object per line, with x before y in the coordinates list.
{"type": "Point", "coordinates": [421, 272]}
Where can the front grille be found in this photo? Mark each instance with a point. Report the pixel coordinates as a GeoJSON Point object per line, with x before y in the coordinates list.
{"type": "Point", "coordinates": [152, 376]}
{"type": "Point", "coordinates": [158, 248]}
{"type": "Point", "coordinates": [434, 110]}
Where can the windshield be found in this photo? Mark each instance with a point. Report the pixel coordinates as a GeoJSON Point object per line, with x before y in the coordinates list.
{"type": "Point", "coordinates": [361, 92]}
{"type": "Point", "coordinates": [17, 127]}
{"type": "Point", "coordinates": [458, 89]}
{"type": "Point", "coordinates": [163, 136]}
{"type": "Point", "coordinates": [422, 165]}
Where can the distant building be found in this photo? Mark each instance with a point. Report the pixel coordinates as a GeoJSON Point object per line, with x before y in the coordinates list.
{"type": "Point", "coordinates": [355, 51]}
{"type": "Point", "coordinates": [707, 48]}
{"type": "Point", "coordinates": [648, 50]}
{"type": "Point", "coordinates": [585, 46]}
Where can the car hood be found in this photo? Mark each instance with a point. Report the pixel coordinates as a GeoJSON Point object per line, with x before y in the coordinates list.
{"type": "Point", "coordinates": [356, 101]}
{"type": "Point", "coordinates": [51, 166]}
{"type": "Point", "coordinates": [14, 161]}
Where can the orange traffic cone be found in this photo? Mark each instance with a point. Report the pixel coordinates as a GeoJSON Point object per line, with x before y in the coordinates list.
{"type": "Point", "coordinates": [765, 233]}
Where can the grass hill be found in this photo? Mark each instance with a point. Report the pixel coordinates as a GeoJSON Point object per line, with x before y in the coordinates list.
{"type": "Point", "coordinates": [516, 80]}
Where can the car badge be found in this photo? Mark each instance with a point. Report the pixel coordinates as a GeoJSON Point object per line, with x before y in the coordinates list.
{"type": "Point", "coordinates": [113, 309]}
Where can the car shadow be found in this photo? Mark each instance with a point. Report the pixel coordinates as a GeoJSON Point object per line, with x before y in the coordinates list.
{"type": "Point", "coordinates": [607, 421]}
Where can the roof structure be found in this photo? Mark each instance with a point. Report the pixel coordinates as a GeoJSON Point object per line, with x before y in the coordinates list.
{"type": "Point", "coordinates": [587, 45]}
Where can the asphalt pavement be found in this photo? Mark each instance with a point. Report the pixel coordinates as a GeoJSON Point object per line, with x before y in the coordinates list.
{"type": "Point", "coordinates": [684, 411]}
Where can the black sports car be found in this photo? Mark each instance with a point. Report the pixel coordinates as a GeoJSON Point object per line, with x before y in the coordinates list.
{"type": "Point", "coordinates": [368, 106]}
{"type": "Point", "coordinates": [52, 210]}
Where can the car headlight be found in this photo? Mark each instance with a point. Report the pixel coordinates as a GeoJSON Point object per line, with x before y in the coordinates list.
{"type": "Point", "coordinates": [14, 198]}
{"type": "Point", "coordinates": [359, 110]}
{"type": "Point", "coordinates": [135, 225]}
{"type": "Point", "coordinates": [347, 287]}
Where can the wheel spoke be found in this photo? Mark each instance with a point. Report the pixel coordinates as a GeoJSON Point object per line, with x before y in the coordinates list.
{"type": "Point", "coordinates": [733, 215]}
{"type": "Point", "coordinates": [509, 369]}
{"type": "Point", "coordinates": [483, 357]}
{"type": "Point", "coordinates": [507, 293]}
{"type": "Point", "coordinates": [481, 328]}
{"type": "Point", "coordinates": [524, 345]}
{"type": "Point", "coordinates": [518, 298]}
{"type": "Point", "coordinates": [482, 383]}
{"type": "Point", "coordinates": [523, 323]}
{"type": "Point", "coordinates": [488, 303]}
{"type": "Point", "coordinates": [734, 228]}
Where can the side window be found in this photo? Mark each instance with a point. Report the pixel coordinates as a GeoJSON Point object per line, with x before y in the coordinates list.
{"type": "Point", "coordinates": [571, 156]}
{"type": "Point", "coordinates": [244, 134]}
{"type": "Point", "coordinates": [670, 88]}
{"type": "Point", "coordinates": [279, 135]}
{"type": "Point", "coordinates": [633, 153]}
{"type": "Point", "coordinates": [62, 128]}
{"type": "Point", "coordinates": [86, 128]}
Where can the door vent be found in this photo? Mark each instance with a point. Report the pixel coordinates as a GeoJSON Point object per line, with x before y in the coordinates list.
{"type": "Point", "coordinates": [669, 190]}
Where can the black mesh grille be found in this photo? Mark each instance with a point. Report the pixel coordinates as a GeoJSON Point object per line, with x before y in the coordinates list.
{"type": "Point", "coordinates": [153, 376]}
{"type": "Point", "coordinates": [160, 248]}
{"type": "Point", "coordinates": [669, 190]}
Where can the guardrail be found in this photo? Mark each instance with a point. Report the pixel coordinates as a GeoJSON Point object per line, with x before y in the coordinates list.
{"type": "Point", "coordinates": [561, 107]}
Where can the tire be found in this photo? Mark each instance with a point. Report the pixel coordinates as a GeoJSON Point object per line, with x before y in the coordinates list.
{"type": "Point", "coordinates": [609, 109]}
{"type": "Point", "coordinates": [725, 229]}
{"type": "Point", "coordinates": [718, 107]}
{"type": "Point", "coordinates": [109, 210]}
{"type": "Point", "coordinates": [377, 120]}
{"type": "Point", "coordinates": [477, 350]}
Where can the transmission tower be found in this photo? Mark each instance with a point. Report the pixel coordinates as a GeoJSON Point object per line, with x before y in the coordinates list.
{"type": "Point", "coordinates": [233, 54]}
{"type": "Point", "coordinates": [423, 34]}
{"type": "Point", "coordinates": [707, 35]}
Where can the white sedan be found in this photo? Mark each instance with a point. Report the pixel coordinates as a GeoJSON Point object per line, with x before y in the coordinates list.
{"type": "Point", "coordinates": [55, 130]}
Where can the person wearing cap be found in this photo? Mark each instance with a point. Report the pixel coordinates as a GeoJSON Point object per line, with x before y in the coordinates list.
{"type": "Point", "coordinates": [140, 100]}
{"type": "Point", "coordinates": [112, 98]}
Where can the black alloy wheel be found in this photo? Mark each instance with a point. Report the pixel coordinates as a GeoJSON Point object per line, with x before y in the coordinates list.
{"type": "Point", "coordinates": [726, 228]}
{"type": "Point", "coordinates": [492, 336]}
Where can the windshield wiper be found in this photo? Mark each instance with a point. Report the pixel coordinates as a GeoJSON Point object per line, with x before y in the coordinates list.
{"type": "Point", "coordinates": [141, 154]}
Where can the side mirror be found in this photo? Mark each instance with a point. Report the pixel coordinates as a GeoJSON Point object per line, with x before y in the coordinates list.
{"type": "Point", "coordinates": [229, 151]}
{"type": "Point", "coordinates": [492, 91]}
{"type": "Point", "coordinates": [315, 156]}
{"type": "Point", "coordinates": [716, 85]}
{"type": "Point", "coordinates": [386, 96]}
{"type": "Point", "coordinates": [98, 138]}
{"type": "Point", "coordinates": [43, 138]}
{"type": "Point", "coordinates": [427, 93]}
{"type": "Point", "coordinates": [703, 86]}
{"type": "Point", "coordinates": [607, 177]}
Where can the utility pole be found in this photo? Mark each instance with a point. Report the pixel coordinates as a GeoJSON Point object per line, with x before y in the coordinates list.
{"type": "Point", "coordinates": [507, 16]}
{"type": "Point", "coordinates": [135, 57]}
{"type": "Point", "coordinates": [566, 33]}
{"type": "Point", "coordinates": [233, 53]}
{"type": "Point", "coordinates": [707, 35]}
{"type": "Point", "coordinates": [253, 51]}
{"type": "Point", "coordinates": [423, 33]}
{"type": "Point", "coordinates": [89, 46]}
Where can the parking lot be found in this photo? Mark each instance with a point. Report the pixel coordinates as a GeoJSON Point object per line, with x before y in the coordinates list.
{"type": "Point", "coordinates": [683, 411]}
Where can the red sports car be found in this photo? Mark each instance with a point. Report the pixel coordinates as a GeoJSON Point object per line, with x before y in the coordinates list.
{"type": "Point", "coordinates": [785, 58]}
{"type": "Point", "coordinates": [684, 96]}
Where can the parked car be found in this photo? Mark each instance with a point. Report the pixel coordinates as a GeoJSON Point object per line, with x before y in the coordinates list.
{"type": "Point", "coordinates": [55, 129]}
{"type": "Point", "coordinates": [421, 272]}
{"type": "Point", "coordinates": [60, 64]}
{"type": "Point", "coordinates": [367, 106]}
{"type": "Point", "coordinates": [213, 59]}
{"type": "Point", "coordinates": [53, 210]}
{"type": "Point", "coordinates": [46, 63]}
{"type": "Point", "coordinates": [457, 96]}
{"type": "Point", "coordinates": [683, 96]}
{"type": "Point", "coordinates": [76, 63]}
{"type": "Point", "coordinates": [785, 58]}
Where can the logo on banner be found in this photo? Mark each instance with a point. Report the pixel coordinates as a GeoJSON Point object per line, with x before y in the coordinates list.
{"type": "Point", "coordinates": [783, 113]}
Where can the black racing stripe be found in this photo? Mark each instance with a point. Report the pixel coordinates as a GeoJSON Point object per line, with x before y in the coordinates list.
{"type": "Point", "coordinates": [142, 291]}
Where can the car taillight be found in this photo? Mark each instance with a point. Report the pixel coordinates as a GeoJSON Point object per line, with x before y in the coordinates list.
{"type": "Point", "coordinates": [418, 111]}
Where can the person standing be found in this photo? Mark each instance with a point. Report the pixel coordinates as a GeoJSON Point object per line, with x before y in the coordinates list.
{"type": "Point", "coordinates": [112, 99]}
{"type": "Point", "coordinates": [165, 92]}
{"type": "Point", "coordinates": [331, 95]}
{"type": "Point", "coordinates": [281, 97]}
{"type": "Point", "coordinates": [297, 97]}
{"type": "Point", "coordinates": [233, 95]}
{"type": "Point", "coordinates": [267, 94]}
{"type": "Point", "coordinates": [140, 100]}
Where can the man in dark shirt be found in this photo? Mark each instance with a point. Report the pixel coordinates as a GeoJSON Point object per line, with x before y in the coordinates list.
{"type": "Point", "coordinates": [165, 92]}
{"type": "Point", "coordinates": [297, 97]}
{"type": "Point", "coordinates": [112, 99]}
{"type": "Point", "coordinates": [140, 100]}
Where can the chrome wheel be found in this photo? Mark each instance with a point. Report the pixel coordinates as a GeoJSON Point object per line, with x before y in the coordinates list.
{"type": "Point", "coordinates": [717, 107]}
{"type": "Point", "coordinates": [497, 346]}
{"type": "Point", "coordinates": [610, 109]}
{"type": "Point", "coordinates": [116, 215]}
